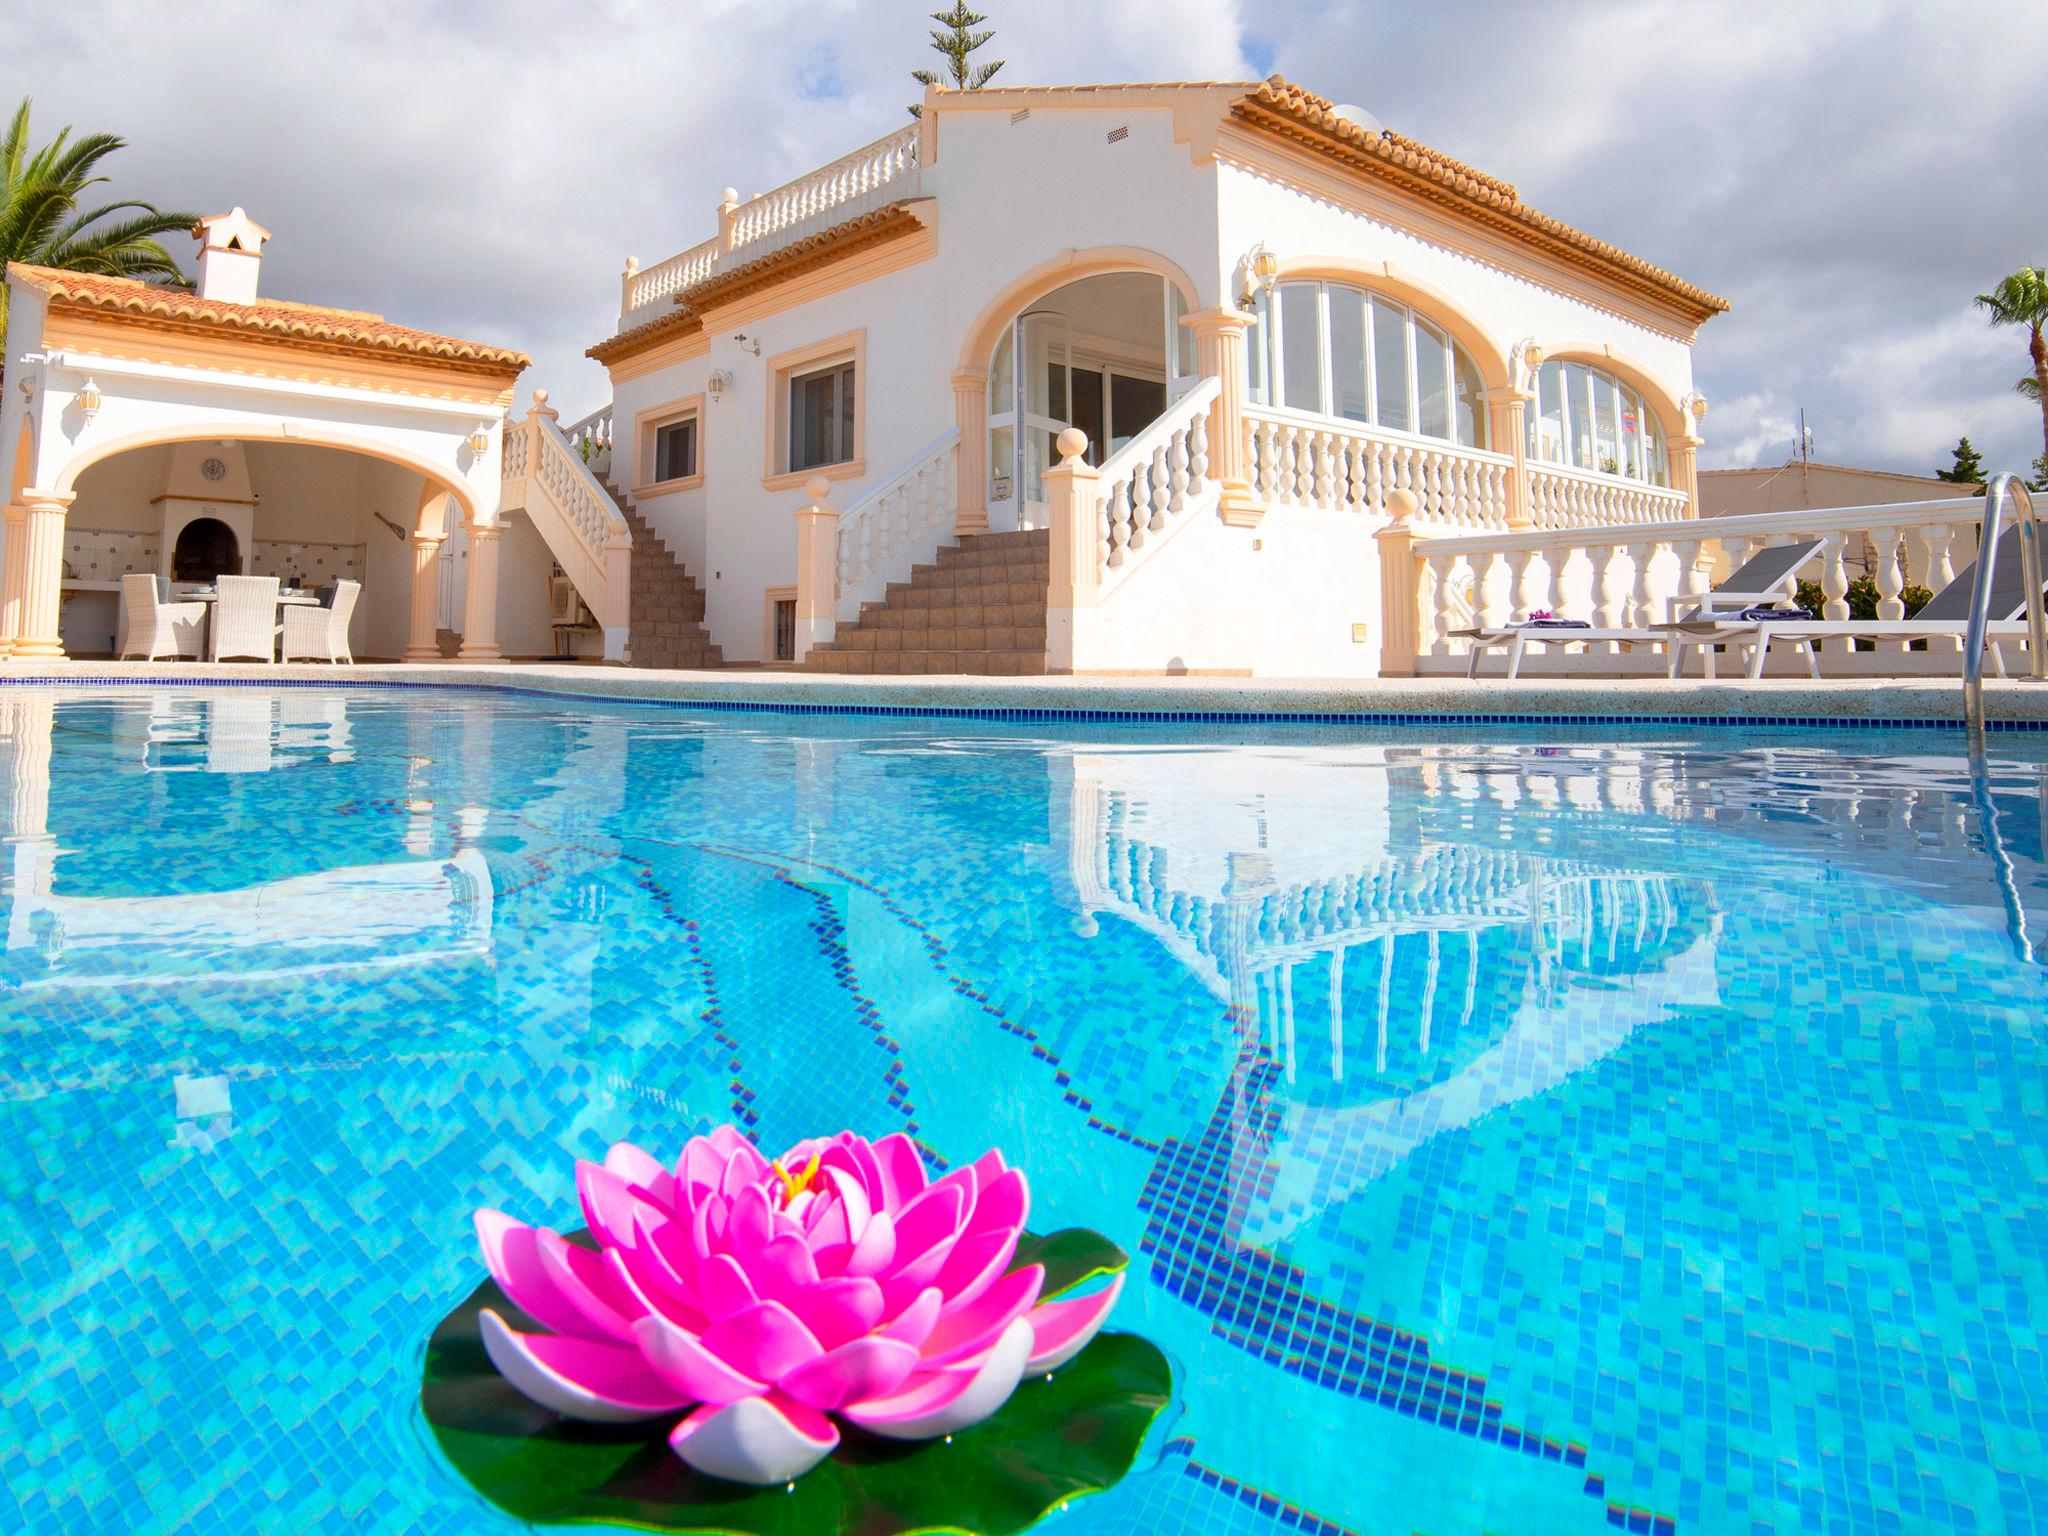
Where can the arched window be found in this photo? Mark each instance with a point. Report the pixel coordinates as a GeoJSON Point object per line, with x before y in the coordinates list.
{"type": "Point", "coordinates": [1332, 350]}
{"type": "Point", "coordinates": [1588, 419]}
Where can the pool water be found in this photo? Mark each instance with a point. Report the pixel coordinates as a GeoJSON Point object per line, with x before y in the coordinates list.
{"type": "Point", "coordinates": [1514, 1131]}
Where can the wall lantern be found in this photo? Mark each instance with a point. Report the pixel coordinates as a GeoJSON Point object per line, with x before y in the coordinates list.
{"type": "Point", "coordinates": [1529, 355]}
{"type": "Point", "coordinates": [719, 382]}
{"type": "Point", "coordinates": [1261, 271]}
{"type": "Point", "coordinates": [89, 400]}
{"type": "Point", "coordinates": [1696, 403]}
{"type": "Point", "coordinates": [480, 439]}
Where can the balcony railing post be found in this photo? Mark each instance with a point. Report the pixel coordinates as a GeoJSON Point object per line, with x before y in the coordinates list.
{"type": "Point", "coordinates": [1508, 411]}
{"type": "Point", "coordinates": [1074, 585]}
{"type": "Point", "coordinates": [817, 568]}
{"type": "Point", "coordinates": [1400, 588]}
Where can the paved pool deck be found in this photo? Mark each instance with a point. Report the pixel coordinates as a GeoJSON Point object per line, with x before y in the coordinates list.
{"type": "Point", "coordinates": [2008, 703]}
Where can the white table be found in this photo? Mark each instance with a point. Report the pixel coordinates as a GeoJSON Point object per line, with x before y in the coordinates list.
{"type": "Point", "coordinates": [294, 599]}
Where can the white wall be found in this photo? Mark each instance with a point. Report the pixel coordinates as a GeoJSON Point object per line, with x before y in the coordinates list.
{"type": "Point", "coordinates": [1277, 600]}
{"type": "Point", "coordinates": [1010, 198]}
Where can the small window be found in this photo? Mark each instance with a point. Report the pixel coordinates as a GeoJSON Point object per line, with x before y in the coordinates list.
{"type": "Point", "coordinates": [821, 417]}
{"type": "Point", "coordinates": [675, 450]}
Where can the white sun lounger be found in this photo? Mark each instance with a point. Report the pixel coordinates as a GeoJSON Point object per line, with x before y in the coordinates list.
{"type": "Point", "coordinates": [1766, 578]}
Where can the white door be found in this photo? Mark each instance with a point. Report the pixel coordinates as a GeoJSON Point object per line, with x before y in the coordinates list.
{"type": "Point", "coordinates": [1030, 398]}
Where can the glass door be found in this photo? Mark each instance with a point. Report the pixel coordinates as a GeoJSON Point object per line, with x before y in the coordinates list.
{"type": "Point", "coordinates": [1031, 402]}
{"type": "Point", "coordinates": [1181, 373]}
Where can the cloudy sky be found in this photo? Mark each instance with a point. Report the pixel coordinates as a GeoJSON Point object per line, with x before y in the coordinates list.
{"type": "Point", "coordinates": [1848, 174]}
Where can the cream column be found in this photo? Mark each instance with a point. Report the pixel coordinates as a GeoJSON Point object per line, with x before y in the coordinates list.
{"type": "Point", "coordinates": [1507, 413]}
{"type": "Point", "coordinates": [422, 644]}
{"type": "Point", "coordinates": [1073, 584]}
{"type": "Point", "coordinates": [817, 568]}
{"type": "Point", "coordinates": [480, 602]}
{"type": "Point", "coordinates": [970, 414]}
{"type": "Point", "coordinates": [13, 576]}
{"type": "Point", "coordinates": [42, 571]}
{"type": "Point", "coordinates": [1219, 354]}
{"type": "Point", "coordinates": [1685, 461]}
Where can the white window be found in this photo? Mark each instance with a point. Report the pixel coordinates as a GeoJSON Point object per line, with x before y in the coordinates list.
{"type": "Point", "coordinates": [1588, 419]}
{"type": "Point", "coordinates": [1332, 350]}
{"type": "Point", "coordinates": [821, 416]}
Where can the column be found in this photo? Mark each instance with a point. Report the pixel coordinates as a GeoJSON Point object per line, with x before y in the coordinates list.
{"type": "Point", "coordinates": [1399, 605]}
{"type": "Point", "coordinates": [1219, 354]}
{"type": "Point", "coordinates": [480, 601]}
{"type": "Point", "coordinates": [42, 571]}
{"type": "Point", "coordinates": [1507, 423]}
{"type": "Point", "coordinates": [1072, 589]}
{"type": "Point", "coordinates": [1685, 458]}
{"type": "Point", "coordinates": [422, 644]}
{"type": "Point", "coordinates": [970, 481]}
{"type": "Point", "coordinates": [13, 576]}
{"type": "Point", "coordinates": [817, 568]}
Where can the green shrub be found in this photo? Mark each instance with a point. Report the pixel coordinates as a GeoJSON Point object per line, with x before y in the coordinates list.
{"type": "Point", "coordinates": [1862, 598]}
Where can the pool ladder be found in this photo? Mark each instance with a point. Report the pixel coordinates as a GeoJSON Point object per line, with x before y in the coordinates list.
{"type": "Point", "coordinates": [2004, 491]}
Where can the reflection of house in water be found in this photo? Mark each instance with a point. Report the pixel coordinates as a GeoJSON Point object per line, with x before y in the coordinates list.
{"type": "Point", "coordinates": [101, 932]}
{"type": "Point", "coordinates": [1393, 976]}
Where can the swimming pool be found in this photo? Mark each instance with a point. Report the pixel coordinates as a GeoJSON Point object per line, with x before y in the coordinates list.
{"type": "Point", "coordinates": [1514, 1131]}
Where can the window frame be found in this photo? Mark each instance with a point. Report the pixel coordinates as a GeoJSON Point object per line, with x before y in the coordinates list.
{"type": "Point", "coordinates": [647, 426]}
{"type": "Point", "coordinates": [1653, 464]}
{"type": "Point", "coordinates": [1266, 357]}
{"type": "Point", "coordinates": [783, 371]}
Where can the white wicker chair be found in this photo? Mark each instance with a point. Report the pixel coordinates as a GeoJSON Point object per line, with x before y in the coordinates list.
{"type": "Point", "coordinates": [156, 628]}
{"type": "Point", "coordinates": [245, 618]}
{"type": "Point", "coordinates": [321, 634]}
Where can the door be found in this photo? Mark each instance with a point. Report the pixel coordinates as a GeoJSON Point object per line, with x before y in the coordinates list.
{"type": "Point", "coordinates": [1030, 395]}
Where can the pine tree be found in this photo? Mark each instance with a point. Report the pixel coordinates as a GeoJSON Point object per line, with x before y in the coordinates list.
{"type": "Point", "coordinates": [956, 42]}
{"type": "Point", "coordinates": [1968, 468]}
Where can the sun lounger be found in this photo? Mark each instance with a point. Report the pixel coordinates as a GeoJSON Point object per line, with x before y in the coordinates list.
{"type": "Point", "coordinates": [1764, 580]}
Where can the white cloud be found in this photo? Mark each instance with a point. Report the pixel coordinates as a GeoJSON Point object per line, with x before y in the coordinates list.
{"type": "Point", "coordinates": [1848, 176]}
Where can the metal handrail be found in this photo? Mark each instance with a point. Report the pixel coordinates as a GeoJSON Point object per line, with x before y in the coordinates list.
{"type": "Point", "coordinates": [2003, 489]}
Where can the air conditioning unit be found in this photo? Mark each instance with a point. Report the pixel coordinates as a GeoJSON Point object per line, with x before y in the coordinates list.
{"type": "Point", "coordinates": [565, 605]}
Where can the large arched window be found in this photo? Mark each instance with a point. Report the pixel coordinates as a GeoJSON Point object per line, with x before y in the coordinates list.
{"type": "Point", "coordinates": [1337, 351]}
{"type": "Point", "coordinates": [1589, 419]}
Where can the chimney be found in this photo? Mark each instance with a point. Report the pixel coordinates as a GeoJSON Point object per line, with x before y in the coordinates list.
{"type": "Point", "coordinates": [230, 251]}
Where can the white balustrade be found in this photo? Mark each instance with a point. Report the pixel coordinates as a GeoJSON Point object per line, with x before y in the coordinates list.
{"type": "Point", "coordinates": [1577, 498]}
{"type": "Point", "coordinates": [1148, 486]}
{"type": "Point", "coordinates": [545, 475]}
{"type": "Point", "coordinates": [1626, 574]}
{"type": "Point", "coordinates": [1296, 462]}
{"type": "Point", "coordinates": [903, 517]}
{"type": "Point", "coordinates": [870, 178]}
{"type": "Point", "coordinates": [592, 438]}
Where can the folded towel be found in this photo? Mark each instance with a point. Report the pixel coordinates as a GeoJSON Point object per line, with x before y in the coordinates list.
{"type": "Point", "coordinates": [1774, 615]}
{"type": "Point", "coordinates": [1553, 624]}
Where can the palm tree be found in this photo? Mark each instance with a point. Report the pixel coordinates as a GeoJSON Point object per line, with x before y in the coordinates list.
{"type": "Point", "coordinates": [2031, 388]}
{"type": "Point", "coordinates": [2021, 298]}
{"type": "Point", "coordinates": [42, 223]}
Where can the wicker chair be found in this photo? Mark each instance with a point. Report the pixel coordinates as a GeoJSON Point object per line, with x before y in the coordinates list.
{"type": "Point", "coordinates": [156, 627]}
{"type": "Point", "coordinates": [245, 618]}
{"type": "Point", "coordinates": [321, 634]}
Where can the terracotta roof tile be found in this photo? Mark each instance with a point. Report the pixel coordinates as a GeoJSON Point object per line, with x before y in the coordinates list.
{"type": "Point", "coordinates": [1278, 104]}
{"type": "Point", "coordinates": [277, 317]}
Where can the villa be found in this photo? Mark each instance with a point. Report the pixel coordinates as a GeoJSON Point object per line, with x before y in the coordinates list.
{"type": "Point", "coordinates": [834, 435]}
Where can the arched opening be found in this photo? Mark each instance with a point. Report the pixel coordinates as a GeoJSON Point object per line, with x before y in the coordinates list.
{"type": "Point", "coordinates": [206, 549]}
{"type": "Point", "coordinates": [1600, 417]}
{"type": "Point", "coordinates": [1104, 353]}
{"type": "Point", "coordinates": [1345, 352]}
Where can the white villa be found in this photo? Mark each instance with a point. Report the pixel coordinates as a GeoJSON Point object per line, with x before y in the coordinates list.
{"type": "Point", "coordinates": [1208, 378]}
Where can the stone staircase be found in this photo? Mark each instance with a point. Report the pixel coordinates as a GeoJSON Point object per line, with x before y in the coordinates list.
{"type": "Point", "coordinates": [978, 608]}
{"type": "Point", "coordinates": [667, 605]}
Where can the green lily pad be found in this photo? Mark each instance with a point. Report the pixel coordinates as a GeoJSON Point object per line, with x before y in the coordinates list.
{"type": "Point", "coordinates": [1072, 1257]}
{"type": "Point", "coordinates": [1055, 1440]}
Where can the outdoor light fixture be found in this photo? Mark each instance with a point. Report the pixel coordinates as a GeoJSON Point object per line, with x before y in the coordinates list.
{"type": "Point", "coordinates": [1696, 403]}
{"type": "Point", "coordinates": [748, 345]}
{"type": "Point", "coordinates": [480, 439]}
{"type": "Point", "coordinates": [1529, 354]}
{"type": "Point", "coordinates": [1258, 272]}
{"type": "Point", "coordinates": [89, 400]}
{"type": "Point", "coordinates": [719, 382]}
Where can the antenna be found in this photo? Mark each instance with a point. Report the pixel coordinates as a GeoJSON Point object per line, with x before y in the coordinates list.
{"type": "Point", "coordinates": [1805, 438]}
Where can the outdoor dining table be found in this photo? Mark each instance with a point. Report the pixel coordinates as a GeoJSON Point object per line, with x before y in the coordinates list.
{"type": "Point", "coordinates": [285, 599]}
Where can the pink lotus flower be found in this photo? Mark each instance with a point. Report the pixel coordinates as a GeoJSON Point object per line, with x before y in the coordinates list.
{"type": "Point", "coordinates": [772, 1297]}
